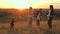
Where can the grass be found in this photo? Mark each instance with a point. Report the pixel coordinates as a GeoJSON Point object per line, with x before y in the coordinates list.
{"type": "Point", "coordinates": [22, 28]}
{"type": "Point", "coordinates": [21, 24]}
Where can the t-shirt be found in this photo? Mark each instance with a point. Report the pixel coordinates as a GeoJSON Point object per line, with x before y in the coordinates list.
{"type": "Point", "coordinates": [30, 13]}
{"type": "Point", "coordinates": [38, 16]}
{"type": "Point", "coordinates": [49, 14]}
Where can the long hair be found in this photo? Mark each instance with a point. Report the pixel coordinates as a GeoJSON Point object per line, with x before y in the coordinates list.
{"type": "Point", "coordinates": [52, 9]}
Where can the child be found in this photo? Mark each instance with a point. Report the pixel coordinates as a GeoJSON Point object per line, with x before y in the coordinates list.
{"type": "Point", "coordinates": [38, 17]}
{"type": "Point", "coordinates": [12, 23]}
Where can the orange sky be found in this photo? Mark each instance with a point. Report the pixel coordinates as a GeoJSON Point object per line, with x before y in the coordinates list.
{"type": "Point", "coordinates": [28, 3]}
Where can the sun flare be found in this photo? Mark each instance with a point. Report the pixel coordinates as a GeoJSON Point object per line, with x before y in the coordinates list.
{"type": "Point", "coordinates": [27, 3]}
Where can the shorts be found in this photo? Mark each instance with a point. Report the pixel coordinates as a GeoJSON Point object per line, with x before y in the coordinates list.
{"type": "Point", "coordinates": [30, 19]}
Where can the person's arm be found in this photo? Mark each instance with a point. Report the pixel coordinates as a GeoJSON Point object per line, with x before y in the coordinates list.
{"type": "Point", "coordinates": [49, 14]}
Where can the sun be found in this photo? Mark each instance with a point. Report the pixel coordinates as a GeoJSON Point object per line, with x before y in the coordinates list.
{"type": "Point", "coordinates": [20, 4]}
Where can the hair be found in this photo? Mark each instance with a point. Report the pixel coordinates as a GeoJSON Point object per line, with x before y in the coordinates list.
{"type": "Point", "coordinates": [40, 8]}
{"type": "Point", "coordinates": [30, 8]}
{"type": "Point", "coordinates": [51, 7]}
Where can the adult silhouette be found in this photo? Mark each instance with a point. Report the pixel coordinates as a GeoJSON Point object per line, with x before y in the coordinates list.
{"type": "Point", "coordinates": [30, 15]}
{"type": "Point", "coordinates": [50, 16]}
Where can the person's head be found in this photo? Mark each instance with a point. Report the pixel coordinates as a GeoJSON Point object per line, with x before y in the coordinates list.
{"type": "Point", "coordinates": [12, 18]}
{"type": "Point", "coordinates": [30, 8]}
{"type": "Point", "coordinates": [51, 7]}
{"type": "Point", "coordinates": [40, 9]}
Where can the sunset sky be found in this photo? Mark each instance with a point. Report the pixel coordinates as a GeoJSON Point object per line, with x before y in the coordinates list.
{"type": "Point", "coordinates": [28, 3]}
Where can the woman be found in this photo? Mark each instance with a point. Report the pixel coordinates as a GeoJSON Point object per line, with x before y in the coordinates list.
{"type": "Point", "coordinates": [30, 15]}
{"type": "Point", "coordinates": [50, 16]}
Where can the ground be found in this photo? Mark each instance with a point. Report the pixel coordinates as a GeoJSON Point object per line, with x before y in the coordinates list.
{"type": "Point", "coordinates": [22, 28]}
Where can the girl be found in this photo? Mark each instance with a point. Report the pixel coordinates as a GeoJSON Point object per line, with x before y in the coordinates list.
{"type": "Point", "coordinates": [38, 18]}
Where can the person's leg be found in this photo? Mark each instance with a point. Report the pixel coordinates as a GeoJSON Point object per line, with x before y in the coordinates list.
{"type": "Point", "coordinates": [50, 23]}
{"type": "Point", "coordinates": [30, 22]}
{"type": "Point", "coordinates": [12, 27]}
{"type": "Point", "coordinates": [38, 23]}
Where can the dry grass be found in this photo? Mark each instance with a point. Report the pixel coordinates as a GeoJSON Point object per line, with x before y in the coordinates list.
{"type": "Point", "coordinates": [22, 28]}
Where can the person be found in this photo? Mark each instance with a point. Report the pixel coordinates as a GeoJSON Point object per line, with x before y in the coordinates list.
{"type": "Point", "coordinates": [30, 15]}
{"type": "Point", "coordinates": [50, 16]}
{"type": "Point", "coordinates": [12, 23]}
{"type": "Point", "coordinates": [38, 17]}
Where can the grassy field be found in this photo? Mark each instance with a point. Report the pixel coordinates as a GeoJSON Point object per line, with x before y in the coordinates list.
{"type": "Point", "coordinates": [21, 23]}
{"type": "Point", "coordinates": [22, 28]}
